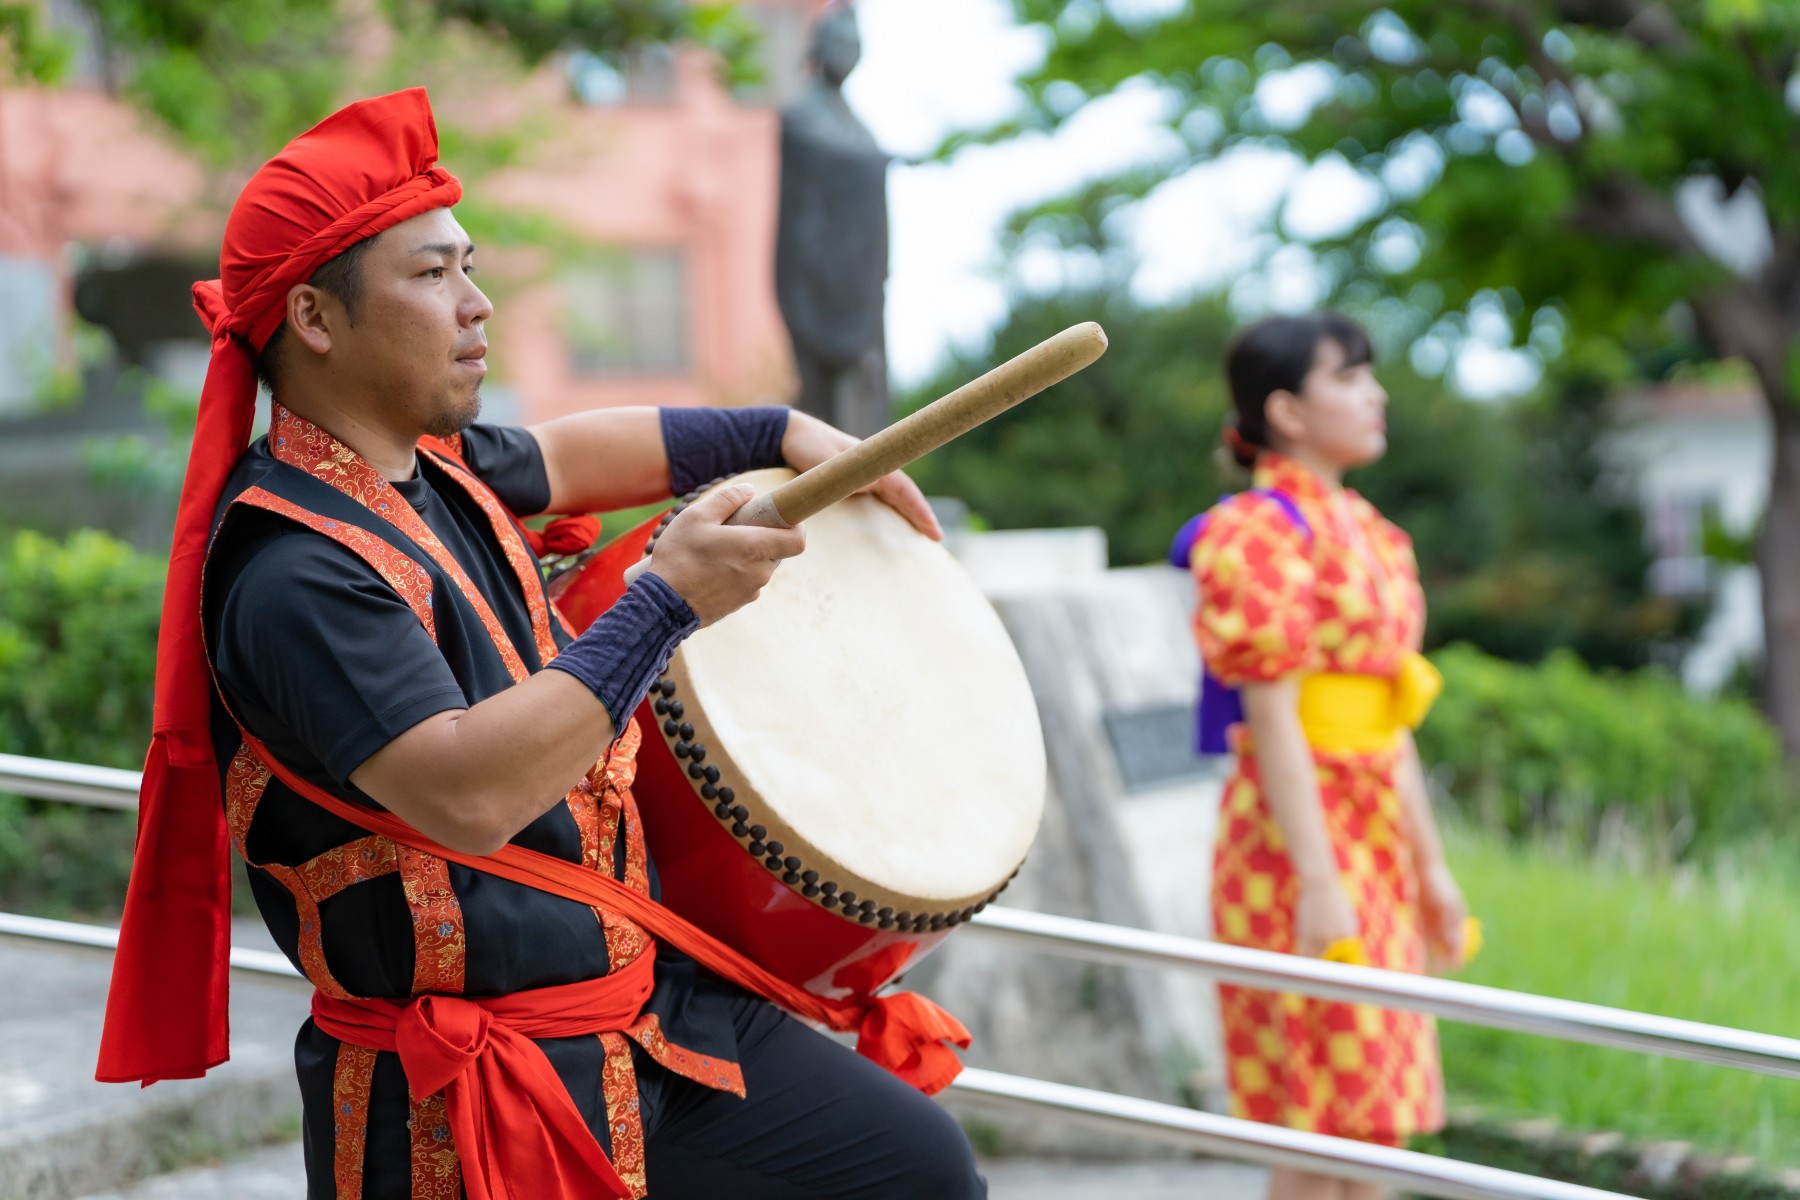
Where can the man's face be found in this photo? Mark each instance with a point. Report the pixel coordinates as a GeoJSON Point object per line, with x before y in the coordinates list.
{"type": "Point", "coordinates": [417, 349]}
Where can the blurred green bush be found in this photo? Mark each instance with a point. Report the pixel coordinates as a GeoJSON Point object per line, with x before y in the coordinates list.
{"type": "Point", "coordinates": [1606, 760]}
{"type": "Point", "coordinates": [78, 624]}
{"type": "Point", "coordinates": [77, 647]}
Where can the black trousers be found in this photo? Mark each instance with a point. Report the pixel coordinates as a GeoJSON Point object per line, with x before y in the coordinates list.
{"type": "Point", "coordinates": [820, 1123]}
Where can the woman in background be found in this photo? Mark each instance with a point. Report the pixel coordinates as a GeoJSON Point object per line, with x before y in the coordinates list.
{"type": "Point", "coordinates": [1310, 606]}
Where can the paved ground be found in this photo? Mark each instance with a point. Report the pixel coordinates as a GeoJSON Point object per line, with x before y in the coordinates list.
{"type": "Point", "coordinates": [274, 1174]}
{"type": "Point", "coordinates": [63, 1135]}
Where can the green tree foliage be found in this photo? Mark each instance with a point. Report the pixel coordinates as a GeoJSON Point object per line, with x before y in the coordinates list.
{"type": "Point", "coordinates": [236, 81]}
{"type": "Point", "coordinates": [1126, 444]}
{"type": "Point", "coordinates": [27, 49]}
{"type": "Point", "coordinates": [1523, 541]}
{"type": "Point", "coordinates": [1532, 149]}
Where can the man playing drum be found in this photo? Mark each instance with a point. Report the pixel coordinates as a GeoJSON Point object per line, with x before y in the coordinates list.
{"type": "Point", "coordinates": [378, 635]}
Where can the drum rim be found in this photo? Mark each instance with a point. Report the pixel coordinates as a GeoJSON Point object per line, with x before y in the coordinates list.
{"type": "Point", "coordinates": [797, 856]}
{"type": "Point", "coordinates": [714, 771]}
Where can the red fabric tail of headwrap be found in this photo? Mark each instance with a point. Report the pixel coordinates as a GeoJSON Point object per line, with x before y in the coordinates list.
{"type": "Point", "coordinates": [175, 927]}
{"type": "Point", "coordinates": [360, 171]}
{"type": "Point", "coordinates": [177, 923]}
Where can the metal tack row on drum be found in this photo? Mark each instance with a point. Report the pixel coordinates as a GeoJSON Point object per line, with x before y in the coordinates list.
{"type": "Point", "coordinates": [757, 842]}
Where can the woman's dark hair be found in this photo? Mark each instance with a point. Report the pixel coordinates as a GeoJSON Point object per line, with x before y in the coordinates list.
{"type": "Point", "coordinates": [1272, 356]}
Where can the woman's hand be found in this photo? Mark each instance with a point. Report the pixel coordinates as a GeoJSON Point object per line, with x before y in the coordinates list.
{"type": "Point", "coordinates": [1445, 911]}
{"type": "Point", "coordinates": [810, 441]}
{"type": "Point", "coordinates": [1323, 917]}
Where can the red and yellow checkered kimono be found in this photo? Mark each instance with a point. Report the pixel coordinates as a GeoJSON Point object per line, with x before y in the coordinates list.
{"type": "Point", "coordinates": [1276, 602]}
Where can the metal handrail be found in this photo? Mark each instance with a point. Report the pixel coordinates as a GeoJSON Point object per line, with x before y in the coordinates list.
{"type": "Point", "coordinates": [1091, 941]}
{"type": "Point", "coordinates": [1094, 942]}
{"type": "Point", "coordinates": [1207, 1133]}
{"type": "Point", "coordinates": [1272, 1145]}
{"type": "Point", "coordinates": [69, 933]}
{"type": "Point", "coordinates": [77, 783]}
{"type": "Point", "coordinates": [1496, 1008]}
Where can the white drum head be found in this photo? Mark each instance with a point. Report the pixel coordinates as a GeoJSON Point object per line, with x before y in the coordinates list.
{"type": "Point", "coordinates": [873, 710]}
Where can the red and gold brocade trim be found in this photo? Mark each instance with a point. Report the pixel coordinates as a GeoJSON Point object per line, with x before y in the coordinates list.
{"type": "Point", "coordinates": [303, 445]}
{"type": "Point", "coordinates": [717, 1073]}
{"type": "Point", "coordinates": [319, 879]}
{"type": "Point", "coordinates": [246, 779]}
{"type": "Point", "coordinates": [584, 801]}
{"type": "Point", "coordinates": [440, 946]}
{"type": "Point", "coordinates": [436, 1173]}
{"type": "Point", "coordinates": [596, 802]}
{"type": "Point", "coordinates": [452, 445]}
{"type": "Point", "coordinates": [621, 770]}
{"type": "Point", "coordinates": [351, 1084]}
{"type": "Point", "coordinates": [398, 569]}
{"type": "Point", "coordinates": [327, 874]}
{"type": "Point", "coordinates": [310, 935]}
{"type": "Point", "coordinates": [512, 543]}
{"type": "Point", "coordinates": [624, 1118]}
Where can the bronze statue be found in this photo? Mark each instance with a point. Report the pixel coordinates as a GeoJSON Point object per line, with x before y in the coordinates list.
{"type": "Point", "coordinates": [831, 239]}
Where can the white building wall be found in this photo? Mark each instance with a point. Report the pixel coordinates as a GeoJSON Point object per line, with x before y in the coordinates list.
{"type": "Point", "coordinates": [1693, 461]}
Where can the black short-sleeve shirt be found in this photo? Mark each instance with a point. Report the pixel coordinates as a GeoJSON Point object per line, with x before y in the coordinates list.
{"type": "Point", "coordinates": [322, 659]}
{"type": "Point", "coordinates": [325, 663]}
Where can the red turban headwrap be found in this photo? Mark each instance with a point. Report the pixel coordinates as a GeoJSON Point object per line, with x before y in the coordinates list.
{"type": "Point", "coordinates": [356, 173]}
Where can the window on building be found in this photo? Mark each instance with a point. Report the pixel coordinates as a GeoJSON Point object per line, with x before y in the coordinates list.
{"type": "Point", "coordinates": [642, 76]}
{"type": "Point", "coordinates": [782, 31]}
{"type": "Point", "coordinates": [627, 313]}
{"type": "Point", "coordinates": [28, 294]}
{"type": "Point", "coordinates": [93, 63]}
{"type": "Point", "coordinates": [1675, 528]}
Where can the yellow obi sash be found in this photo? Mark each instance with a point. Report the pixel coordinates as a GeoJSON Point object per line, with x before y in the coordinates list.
{"type": "Point", "coordinates": [1364, 713]}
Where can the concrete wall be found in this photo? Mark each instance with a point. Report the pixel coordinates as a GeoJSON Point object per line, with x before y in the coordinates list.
{"type": "Point", "coordinates": [1104, 650]}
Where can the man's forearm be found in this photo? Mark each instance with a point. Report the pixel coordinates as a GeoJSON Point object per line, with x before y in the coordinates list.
{"type": "Point", "coordinates": [623, 457]}
{"type": "Point", "coordinates": [473, 778]}
{"type": "Point", "coordinates": [604, 460]}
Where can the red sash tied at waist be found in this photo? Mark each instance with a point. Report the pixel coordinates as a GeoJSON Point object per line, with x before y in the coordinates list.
{"type": "Point", "coordinates": [515, 1127]}
{"type": "Point", "coordinates": [905, 1033]}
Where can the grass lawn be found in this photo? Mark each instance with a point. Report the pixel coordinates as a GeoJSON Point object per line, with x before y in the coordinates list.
{"type": "Point", "coordinates": [1719, 944]}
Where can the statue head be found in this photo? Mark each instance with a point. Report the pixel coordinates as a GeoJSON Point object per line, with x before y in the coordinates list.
{"type": "Point", "coordinates": [836, 44]}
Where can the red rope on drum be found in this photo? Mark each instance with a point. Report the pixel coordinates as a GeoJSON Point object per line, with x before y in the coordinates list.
{"type": "Point", "coordinates": [903, 1032]}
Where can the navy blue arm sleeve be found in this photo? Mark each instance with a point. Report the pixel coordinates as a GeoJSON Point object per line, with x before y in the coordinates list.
{"type": "Point", "coordinates": [704, 444]}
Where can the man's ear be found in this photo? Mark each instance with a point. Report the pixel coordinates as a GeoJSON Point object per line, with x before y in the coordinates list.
{"type": "Point", "coordinates": [311, 317]}
{"type": "Point", "coordinates": [1282, 412]}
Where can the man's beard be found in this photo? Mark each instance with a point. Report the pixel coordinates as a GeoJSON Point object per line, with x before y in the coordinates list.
{"type": "Point", "coordinates": [456, 416]}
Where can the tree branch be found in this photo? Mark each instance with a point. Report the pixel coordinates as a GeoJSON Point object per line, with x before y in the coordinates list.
{"type": "Point", "coordinates": [1625, 208]}
{"type": "Point", "coordinates": [1739, 323]}
{"type": "Point", "coordinates": [1644, 21]}
{"type": "Point", "coordinates": [1525, 25]}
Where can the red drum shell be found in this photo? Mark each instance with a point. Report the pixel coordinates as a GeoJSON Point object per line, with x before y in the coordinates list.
{"type": "Point", "coordinates": [706, 875]}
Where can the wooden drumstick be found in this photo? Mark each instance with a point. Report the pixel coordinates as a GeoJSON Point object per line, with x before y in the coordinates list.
{"type": "Point", "coordinates": [845, 474]}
